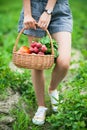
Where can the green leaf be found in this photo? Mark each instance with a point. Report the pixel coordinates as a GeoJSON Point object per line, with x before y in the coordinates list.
{"type": "Point", "coordinates": [46, 41]}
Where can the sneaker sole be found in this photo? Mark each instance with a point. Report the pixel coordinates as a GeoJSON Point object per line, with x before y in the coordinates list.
{"type": "Point", "coordinates": [38, 123]}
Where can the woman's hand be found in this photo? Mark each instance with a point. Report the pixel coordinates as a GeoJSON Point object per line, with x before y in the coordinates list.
{"type": "Point", "coordinates": [29, 22]}
{"type": "Point", "coordinates": [44, 21]}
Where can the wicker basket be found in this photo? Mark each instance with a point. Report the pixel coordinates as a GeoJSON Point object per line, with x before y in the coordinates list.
{"type": "Point", "coordinates": [31, 61]}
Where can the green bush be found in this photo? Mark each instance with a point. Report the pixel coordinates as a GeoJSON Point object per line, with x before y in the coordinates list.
{"type": "Point", "coordinates": [20, 82]}
{"type": "Point", "coordinates": [22, 119]}
{"type": "Point", "coordinates": [72, 112]}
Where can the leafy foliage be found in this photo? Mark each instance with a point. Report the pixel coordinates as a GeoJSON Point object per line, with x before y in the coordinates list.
{"type": "Point", "coordinates": [22, 119]}
{"type": "Point", "coordinates": [46, 41]}
{"type": "Point", "coordinates": [72, 113]}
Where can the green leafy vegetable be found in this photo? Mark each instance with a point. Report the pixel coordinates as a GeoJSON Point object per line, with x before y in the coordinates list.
{"type": "Point", "coordinates": [46, 41]}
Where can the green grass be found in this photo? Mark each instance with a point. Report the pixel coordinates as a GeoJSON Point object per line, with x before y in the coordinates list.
{"type": "Point", "coordinates": [80, 25]}
{"type": "Point", "coordinates": [72, 116]}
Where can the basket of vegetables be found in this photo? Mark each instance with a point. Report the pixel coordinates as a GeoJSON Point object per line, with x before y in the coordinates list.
{"type": "Point", "coordinates": [39, 55]}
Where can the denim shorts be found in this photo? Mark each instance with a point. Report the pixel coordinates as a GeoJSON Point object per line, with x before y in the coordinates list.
{"type": "Point", "coordinates": [61, 19]}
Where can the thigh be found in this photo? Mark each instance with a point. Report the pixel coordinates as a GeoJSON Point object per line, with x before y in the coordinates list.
{"type": "Point", "coordinates": [64, 45]}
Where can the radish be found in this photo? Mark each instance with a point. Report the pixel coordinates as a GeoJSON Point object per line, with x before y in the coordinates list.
{"type": "Point", "coordinates": [35, 49]}
{"type": "Point", "coordinates": [33, 44]}
{"type": "Point", "coordinates": [41, 53]}
{"type": "Point", "coordinates": [43, 48]}
{"type": "Point", "coordinates": [31, 49]}
{"type": "Point", "coordinates": [38, 45]}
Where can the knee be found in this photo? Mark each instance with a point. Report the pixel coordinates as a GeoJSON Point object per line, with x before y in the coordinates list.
{"type": "Point", "coordinates": [63, 64]}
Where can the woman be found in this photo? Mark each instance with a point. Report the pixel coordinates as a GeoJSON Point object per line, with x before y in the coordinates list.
{"type": "Point", "coordinates": [54, 15]}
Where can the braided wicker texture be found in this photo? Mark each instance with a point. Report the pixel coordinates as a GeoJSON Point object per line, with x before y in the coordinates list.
{"type": "Point", "coordinates": [33, 61]}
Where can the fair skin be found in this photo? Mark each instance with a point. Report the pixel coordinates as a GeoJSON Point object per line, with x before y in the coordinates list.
{"type": "Point", "coordinates": [30, 22]}
{"type": "Point", "coordinates": [62, 63]}
{"type": "Point", "coordinates": [60, 69]}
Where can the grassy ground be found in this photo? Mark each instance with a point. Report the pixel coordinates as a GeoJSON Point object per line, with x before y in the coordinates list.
{"type": "Point", "coordinates": [9, 14]}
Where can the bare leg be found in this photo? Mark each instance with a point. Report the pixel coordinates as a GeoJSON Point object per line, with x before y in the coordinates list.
{"type": "Point", "coordinates": [38, 82]}
{"type": "Point", "coordinates": [63, 61]}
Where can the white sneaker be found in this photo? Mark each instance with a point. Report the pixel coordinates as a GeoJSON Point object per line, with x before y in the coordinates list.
{"type": "Point", "coordinates": [39, 118]}
{"type": "Point", "coordinates": [54, 97]}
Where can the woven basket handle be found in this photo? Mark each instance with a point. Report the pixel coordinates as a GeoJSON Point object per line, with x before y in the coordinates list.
{"type": "Point", "coordinates": [18, 37]}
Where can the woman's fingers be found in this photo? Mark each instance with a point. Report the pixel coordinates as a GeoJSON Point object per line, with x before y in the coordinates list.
{"type": "Point", "coordinates": [44, 21]}
{"type": "Point", "coordinates": [42, 24]}
{"type": "Point", "coordinates": [26, 25]}
{"type": "Point", "coordinates": [29, 22]}
{"type": "Point", "coordinates": [32, 24]}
